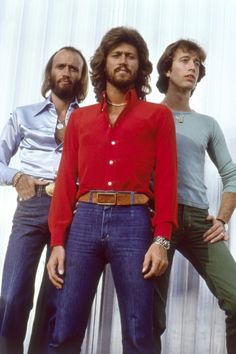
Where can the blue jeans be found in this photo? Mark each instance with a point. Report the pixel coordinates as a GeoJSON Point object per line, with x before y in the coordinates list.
{"type": "Point", "coordinates": [99, 234]}
{"type": "Point", "coordinates": [212, 261]}
{"type": "Point", "coordinates": [30, 234]}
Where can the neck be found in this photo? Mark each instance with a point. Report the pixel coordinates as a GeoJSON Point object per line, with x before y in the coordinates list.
{"type": "Point", "coordinates": [115, 96]}
{"type": "Point", "coordinates": [61, 105]}
{"type": "Point", "coordinates": [177, 101]}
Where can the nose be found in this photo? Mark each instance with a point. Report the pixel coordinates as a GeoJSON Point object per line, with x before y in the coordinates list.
{"type": "Point", "coordinates": [123, 59]}
{"type": "Point", "coordinates": [66, 71]}
{"type": "Point", "coordinates": [192, 65]}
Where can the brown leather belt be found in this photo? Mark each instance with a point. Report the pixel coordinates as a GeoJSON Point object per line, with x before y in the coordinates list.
{"type": "Point", "coordinates": [114, 198]}
{"type": "Point", "coordinates": [41, 190]}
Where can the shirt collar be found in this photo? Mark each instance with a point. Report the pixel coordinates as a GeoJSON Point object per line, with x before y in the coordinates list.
{"type": "Point", "coordinates": [131, 98]}
{"type": "Point", "coordinates": [48, 103]}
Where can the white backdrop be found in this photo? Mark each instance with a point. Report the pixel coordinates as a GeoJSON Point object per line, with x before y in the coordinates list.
{"type": "Point", "coordinates": [31, 30]}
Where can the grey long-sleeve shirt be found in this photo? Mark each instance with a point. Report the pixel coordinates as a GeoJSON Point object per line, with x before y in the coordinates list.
{"type": "Point", "coordinates": [197, 134]}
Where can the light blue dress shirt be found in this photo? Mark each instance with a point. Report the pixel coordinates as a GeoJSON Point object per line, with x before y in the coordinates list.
{"type": "Point", "coordinates": [31, 130]}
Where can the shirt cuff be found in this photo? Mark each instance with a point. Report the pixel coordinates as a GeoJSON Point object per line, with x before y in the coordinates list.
{"type": "Point", "coordinates": [164, 230]}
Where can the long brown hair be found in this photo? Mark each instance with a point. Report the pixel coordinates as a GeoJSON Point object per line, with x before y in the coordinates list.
{"type": "Point", "coordinates": [112, 39]}
{"type": "Point", "coordinates": [82, 87]}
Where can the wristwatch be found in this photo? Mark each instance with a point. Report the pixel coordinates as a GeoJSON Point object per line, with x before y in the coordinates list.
{"type": "Point", "coordinates": [162, 241]}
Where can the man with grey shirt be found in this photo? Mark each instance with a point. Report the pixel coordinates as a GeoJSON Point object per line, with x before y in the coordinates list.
{"type": "Point", "coordinates": [37, 131]}
{"type": "Point", "coordinates": [200, 237]}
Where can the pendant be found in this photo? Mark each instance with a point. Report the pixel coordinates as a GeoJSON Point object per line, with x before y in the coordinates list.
{"type": "Point", "coordinates": [60, 126]}
{"type": "Point", "coordinates": [179, 118]}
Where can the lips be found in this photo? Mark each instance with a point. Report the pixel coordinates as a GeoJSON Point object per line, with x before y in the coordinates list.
{"type": "Point", "coordinates": [122, 69]}
{"type": "Point", "coordinates": [65, 81]}
{"type": "Point", "coordinates": [190, 77]}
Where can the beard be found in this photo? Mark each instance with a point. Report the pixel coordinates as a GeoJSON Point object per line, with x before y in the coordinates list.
{"type": "Point", "coordinates": [121, 83]}
{"type": "Point", "coordinates": [64, 92]}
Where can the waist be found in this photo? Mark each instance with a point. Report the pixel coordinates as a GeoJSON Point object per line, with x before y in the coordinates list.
{"type": "Point", "coordinates": [114, 198]}
{"type": "Point", "coordinates": [41, 190]}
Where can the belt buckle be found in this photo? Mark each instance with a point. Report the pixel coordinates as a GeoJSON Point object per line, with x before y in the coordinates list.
{"type": "Point", "coordinates": [106, 194]}
{"type": "Point", "coordinates": [49, 189]}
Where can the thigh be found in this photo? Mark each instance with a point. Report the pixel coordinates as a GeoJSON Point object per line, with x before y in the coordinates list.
{"type": "Point", "coordinates": [129, 240]}
{"type": "Point", "coordinates": [29, 235]}
{"type": "Point", "coordinates": [213, 261]}
{"type": "Point", "coordinates": [84, 264]}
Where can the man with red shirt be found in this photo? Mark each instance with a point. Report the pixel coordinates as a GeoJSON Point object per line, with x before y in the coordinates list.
{"type": "Point", "coordinates": [111, 148]}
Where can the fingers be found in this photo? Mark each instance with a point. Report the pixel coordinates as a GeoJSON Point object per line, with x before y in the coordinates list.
{"type": "Point", "coordinates": [25, 187]}
{"type": "Point", "coordinates": [215, 233]}
{"type": "Point", "coordinates": [55, 266]}
{"type": "Point", "coordinates": [41, 182]}
{"type": "Point", "coordinates": [155, 261]}
{"type": "Point", "coordinates": [210, 217]}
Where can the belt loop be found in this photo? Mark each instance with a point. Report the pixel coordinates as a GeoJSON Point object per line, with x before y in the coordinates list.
{"type": "Point", "coordinates": [90, 197]}
{"type": "Point", "coordinates": [132, 198]}
{"type": "Point", "coordinates": [38, 190]}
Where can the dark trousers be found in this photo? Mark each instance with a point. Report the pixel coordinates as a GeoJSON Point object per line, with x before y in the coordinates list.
{"type": "Point", "coordinates": [213, 262]}
{"type": "Point", "coordinates": [28, 238]}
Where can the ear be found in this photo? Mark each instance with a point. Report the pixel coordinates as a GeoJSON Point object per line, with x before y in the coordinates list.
{"type": "Point", "coordinates": [168, 73]}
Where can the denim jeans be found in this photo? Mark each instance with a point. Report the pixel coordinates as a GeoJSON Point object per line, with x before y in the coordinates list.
{"type": "Point", "coordinates": [29, 236]}
{"type": "Point", "coordinates": [213, 262]}
{"type": "Point", "coordinates": [99, 234]}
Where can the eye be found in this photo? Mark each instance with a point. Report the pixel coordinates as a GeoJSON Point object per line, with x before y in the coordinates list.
{"type": "Point", "coordinates": [74, 69]}
{"type": "Point", "coordinates": [60, 66]}
{"type": "Point", "coordinates": [131, 56]}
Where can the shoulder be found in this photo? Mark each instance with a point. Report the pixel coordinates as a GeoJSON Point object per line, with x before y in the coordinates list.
{"type": "Point", "coordinates": [157, 109]}
{"type": "Point", "coordinates": [87, 109]}
{"type": "Point", "coordinates": [204, 117]}
{"type": "Point", "coordinates": [206, 121]}
{"type": "Point", "coordinates": [32, 108]}
{"type": "Point", "coordinates": [83, 114]}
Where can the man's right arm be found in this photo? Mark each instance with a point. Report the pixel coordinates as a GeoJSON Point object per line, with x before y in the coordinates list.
{"type": "Point", "coordinates": [9, 142]}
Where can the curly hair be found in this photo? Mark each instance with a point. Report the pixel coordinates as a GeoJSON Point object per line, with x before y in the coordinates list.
{"type": "Point", "coordinates": [82, 87]}
{"type": "Point", "coordinates": [112, 39]}
{"type": "Point", "coordinates": [165, 62]}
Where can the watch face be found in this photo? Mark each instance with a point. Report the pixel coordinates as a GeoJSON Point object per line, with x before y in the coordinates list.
{"type": "Point", "coordinates": [60, 125]}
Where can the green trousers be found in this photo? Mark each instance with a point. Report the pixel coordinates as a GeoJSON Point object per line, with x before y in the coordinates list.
{"type": "Point", "coordinates": [213, 262]}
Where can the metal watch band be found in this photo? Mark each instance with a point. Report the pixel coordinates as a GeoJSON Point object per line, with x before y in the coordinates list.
{"type": "Point", "coordinates": [162, 241]}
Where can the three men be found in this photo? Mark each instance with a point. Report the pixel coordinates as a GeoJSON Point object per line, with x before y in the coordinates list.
{"type": "Point", "coordinates": [112, 148]}
{"type": "Point", "coordinates": [37, 131]}
{"type": "Point", "coordinates": [200, 237]}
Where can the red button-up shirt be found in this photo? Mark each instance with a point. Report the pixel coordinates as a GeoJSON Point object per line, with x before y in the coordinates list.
{"type": "Point", "coordinates": [117, 158]}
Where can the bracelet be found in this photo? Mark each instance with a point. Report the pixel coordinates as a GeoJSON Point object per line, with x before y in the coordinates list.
{"type": "Point", "coordinates": [16, 178]}
{"type": "Point", "coordinates": [160, 240]}
{"type": "Point", "coordinates": [225, 225]}
{"type": "Point", "coordinates": [223, 222]}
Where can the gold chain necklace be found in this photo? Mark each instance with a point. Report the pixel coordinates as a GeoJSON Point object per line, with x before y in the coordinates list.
{"type": "Point", "coordinates": [117, 104]}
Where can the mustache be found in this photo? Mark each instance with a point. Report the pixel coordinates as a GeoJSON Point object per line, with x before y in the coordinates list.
{"type": "Point", "coordinates": [64, 79]}
{"type": "Point", "coordinates": [122, 67]}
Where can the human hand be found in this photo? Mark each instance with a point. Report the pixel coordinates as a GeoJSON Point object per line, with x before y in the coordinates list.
{"type": "Point", "coordinates": [55, 266]}
{"type": "Point", "coordinates": [155, 261]}
{"type": "Point", "coordinates": [25, 187]}
{"type": "Point", "coordinates": [216, 232]}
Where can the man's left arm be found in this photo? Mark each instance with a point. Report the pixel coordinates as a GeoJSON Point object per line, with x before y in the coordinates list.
{"type": "Point", "coordinates": [220, 155]}
{"type": "Point", "coordinates": [217, 231]}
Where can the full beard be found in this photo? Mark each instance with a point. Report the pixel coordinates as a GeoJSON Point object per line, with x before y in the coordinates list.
{"type": "Point", "coordinates": [64, 92]}
{"type": "Point", "coordinates": [122, 84]}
